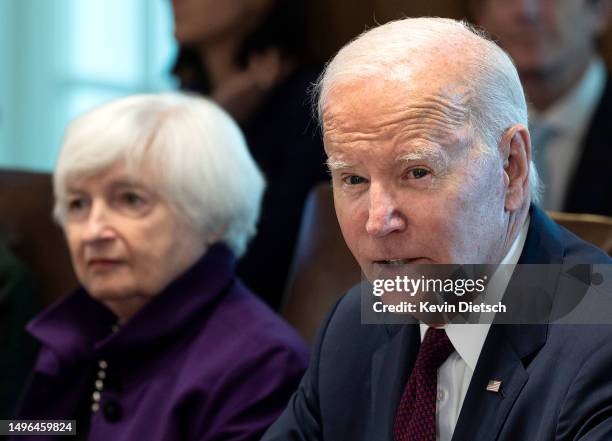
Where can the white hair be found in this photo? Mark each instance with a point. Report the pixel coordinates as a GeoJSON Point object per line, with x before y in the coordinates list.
{"type": "Point", "coordinates": [195, 150]}
{"type": "Point", "coordinates": [391, 51]}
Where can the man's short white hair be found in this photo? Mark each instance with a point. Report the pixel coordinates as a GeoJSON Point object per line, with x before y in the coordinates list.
{"type": "Point", "coordinates": [196, 152]}
{"type": "Point", "coordinates": [390, 51]}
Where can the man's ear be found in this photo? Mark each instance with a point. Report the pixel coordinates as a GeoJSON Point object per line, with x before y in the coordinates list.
{"type": "Point", "coordinates": [515, 149]}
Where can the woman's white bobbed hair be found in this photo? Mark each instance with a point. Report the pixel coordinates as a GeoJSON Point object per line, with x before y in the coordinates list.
{"type": "Point", "coordinates": [193, 148]}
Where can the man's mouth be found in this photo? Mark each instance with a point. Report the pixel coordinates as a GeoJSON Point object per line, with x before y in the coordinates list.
{"type": "Point", "coordinates": [397, 262]}
{"type": "Point", "coordinates": [393, 261]}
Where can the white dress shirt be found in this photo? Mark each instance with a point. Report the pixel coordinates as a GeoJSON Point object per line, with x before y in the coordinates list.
{"type": "Point", "coordinates": [455, 374]}
{"type": "Point", "coordinates": [568, 119]}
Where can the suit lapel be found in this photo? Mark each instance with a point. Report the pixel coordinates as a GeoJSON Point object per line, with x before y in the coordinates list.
{"type": "Point", "coordinates": [504, 357]}
{"type": "Point", "coordinates": [508, 348]}
{"type": "Point", "coordinates": [483, 413]}
{"type": "Point", "coordinates": [389, 378]}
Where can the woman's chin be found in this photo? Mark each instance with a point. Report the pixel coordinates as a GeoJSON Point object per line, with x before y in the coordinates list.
{"type": "Point", "coordinates": [121, 302]}
{"type": "Point", "coordinates": [110, 292]}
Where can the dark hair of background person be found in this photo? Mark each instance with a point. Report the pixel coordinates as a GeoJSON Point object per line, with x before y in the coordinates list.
{"type": "Point", "coordinates": [283, 27]}
{"type": "Point", "coordinates": [281, 134]}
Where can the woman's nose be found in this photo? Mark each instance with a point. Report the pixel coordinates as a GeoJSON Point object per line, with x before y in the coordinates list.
{"type": "Point", "coordinates": [98, 224]}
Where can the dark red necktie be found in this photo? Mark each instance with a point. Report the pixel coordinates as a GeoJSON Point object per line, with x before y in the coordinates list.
{"type": "Point", "coordinates": [415, 419]}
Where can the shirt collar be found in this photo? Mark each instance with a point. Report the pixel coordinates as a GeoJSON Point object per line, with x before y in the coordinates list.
{"type": "Point", "coordinates": [468, 339]}
{"type": "Point", "coordinates": [78, 326]}
{"type": "Point", "coordinates": [570, 114]}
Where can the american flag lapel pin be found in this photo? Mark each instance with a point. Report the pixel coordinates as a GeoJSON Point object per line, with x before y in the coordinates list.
{"type": "Point", "coordinates": [494, 385]}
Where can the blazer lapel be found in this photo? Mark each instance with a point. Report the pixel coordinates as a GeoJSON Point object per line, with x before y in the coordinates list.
{"type": "Point", "coordinates": [505, 354]}
{"type": "Point", "coordinates": [484, 412]}
{"type": "Point", "coordinates": [391, 367]}
{"type": "Point", "coordinates": [504, 357]}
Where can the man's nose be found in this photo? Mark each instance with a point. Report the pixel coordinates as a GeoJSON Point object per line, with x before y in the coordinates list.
{"type": "Point", "coordinates": [384, 214]}
{"type": "Point", "coordinates": [98, 226]}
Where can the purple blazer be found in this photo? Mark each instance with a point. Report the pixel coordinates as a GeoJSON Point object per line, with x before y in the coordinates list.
{"type": "Point", "coordinates": [204, 360]}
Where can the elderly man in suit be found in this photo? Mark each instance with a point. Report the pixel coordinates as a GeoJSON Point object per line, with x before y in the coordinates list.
{"type": "Point", "coordinates": [554, 46]}
{"type": "Point", "coordinates": [425, 128]}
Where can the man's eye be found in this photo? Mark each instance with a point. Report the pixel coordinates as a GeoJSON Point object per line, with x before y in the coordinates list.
{"type": "Point", "coordinates": [418, 173]}
{"type": "Point", "coordinates": [354, 180]}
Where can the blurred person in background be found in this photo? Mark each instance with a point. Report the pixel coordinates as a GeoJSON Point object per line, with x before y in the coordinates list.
{"type": "Point", "coordinates": [157, 196]}
{"type": "Point", "coordinates": [251, 57]}
{"type": "Point", "coordinates": [18, 303]}
{"type": "Point", "coordinates": [554, 44]}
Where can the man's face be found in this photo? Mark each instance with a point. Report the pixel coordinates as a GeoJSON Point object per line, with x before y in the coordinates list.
{"type": "Point", "coordinates": [407, 184]}
{"type": "Point", "coordinates": [543, 36]}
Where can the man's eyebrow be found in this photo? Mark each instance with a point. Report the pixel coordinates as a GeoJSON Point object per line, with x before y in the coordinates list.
{"type": "Point", "coordinates": [336, 164]}
{"type": "Point", "coordinates": [430, 154]}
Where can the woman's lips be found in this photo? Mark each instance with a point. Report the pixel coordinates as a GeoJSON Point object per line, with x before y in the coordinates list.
{"type": "Point", "coordinates": [102, 264]}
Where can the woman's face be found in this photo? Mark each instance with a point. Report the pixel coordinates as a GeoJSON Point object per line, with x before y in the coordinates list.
{"type": "Point", "coordinates": [126, 242]}
{"type": "Point", "coordinates": [197, 22]}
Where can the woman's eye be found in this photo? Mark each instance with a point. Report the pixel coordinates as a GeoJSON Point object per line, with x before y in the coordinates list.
{"type": "Point", "coordinates": [418, 173]}
{"type": "Point", "coordinates": [132, 203]}
{"type": "Point", "coordinates": [77, 208]}
{"type": "Point", "coordinates": [354, 180]}
{"type": "Point", "coordinates": [76, 204]}
{"type": "Point", "coordinates": [131, 198]}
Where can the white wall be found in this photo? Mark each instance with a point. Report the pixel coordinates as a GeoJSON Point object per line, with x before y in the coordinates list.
{"type": "Point", "coordinates": [61, 57]}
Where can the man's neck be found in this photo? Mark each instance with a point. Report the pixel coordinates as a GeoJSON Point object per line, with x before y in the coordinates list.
{"type": "Point", "coordinates": [516, 223]}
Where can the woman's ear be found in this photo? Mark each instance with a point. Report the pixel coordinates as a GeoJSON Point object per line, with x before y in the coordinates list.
{"type": "Point", "coordinates": [515, 148]}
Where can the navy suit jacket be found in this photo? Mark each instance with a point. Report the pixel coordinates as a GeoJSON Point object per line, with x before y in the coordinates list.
{"type": "Point", "coordinates": [556, 379]}
{"type": "Point", "coordinates": [590, 189]}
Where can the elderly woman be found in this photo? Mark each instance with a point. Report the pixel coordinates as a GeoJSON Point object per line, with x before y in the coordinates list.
{"type": "Point", "coordinates": [158, 195]}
